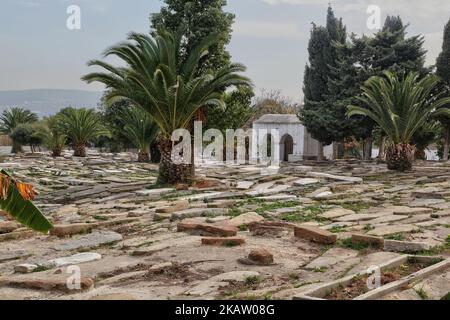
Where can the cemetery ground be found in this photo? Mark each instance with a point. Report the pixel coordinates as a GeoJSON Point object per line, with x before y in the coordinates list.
{"type": "Point", "coordinates": [310, 231]}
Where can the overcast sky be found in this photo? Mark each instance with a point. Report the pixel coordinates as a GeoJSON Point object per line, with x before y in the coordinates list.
{"type": "Point", "coordinates": [270, 36]}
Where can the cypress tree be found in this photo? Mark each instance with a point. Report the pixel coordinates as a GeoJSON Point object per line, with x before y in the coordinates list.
{"type": "Point", "coordinates": [443, 71]}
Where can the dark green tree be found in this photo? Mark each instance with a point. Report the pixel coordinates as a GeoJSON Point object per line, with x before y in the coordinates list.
{"type": "Point", "coordinates": [198, 19]}
{"type": "Point", "coordinates": [318, 113]}
{"type": "Point", "coordinates": [443, 71]}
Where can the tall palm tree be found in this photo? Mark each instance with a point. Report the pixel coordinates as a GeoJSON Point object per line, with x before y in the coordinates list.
{"type": "Point", "coordinates": [11, 118]}
{"type": "Point", "coordinates": [15, 199]}
{"type": "Point", "coordinates": [81, 126]}
{"type": "Point", "coordinates": [140, 130]}
{"type": "Point", "coordinates": [51, 135]}
{"type": "Point", "coordinates": [400, 107]}
{"type": "Point", "coordinates": [158, 79]}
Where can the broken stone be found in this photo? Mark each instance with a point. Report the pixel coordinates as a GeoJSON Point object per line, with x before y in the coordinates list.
{"type": "Point", "coordinates": [336, 213]}
{"type": "Point", "coordinates": [315, 234]}
{"type": "Point", "coordinates": [332, 257]}
{"type": "Point", "coordinates": [175, 206]}
{"type": "Point", "coordinates": [334, 177]}
{"type": "Point", "coordinates": [45, 281]}
{"type": "Point", "coordinates": [13, 255]}
{"type": "Point", "coordinates": [8, 226]}
{"type": "Point", "coordinates": [411, 211]}
{"type": "Point", "coordinates": [366, 239]}
{"type": "Point", "coordinates": [71, 229]}
{"type": "Point", "coordinates": [198, 212]}
{"type": "Point", "coordinates": [25, 268]}
{"type": "Point", "coordinates": [261, 257]}
{"type": "Point", "coordinates": [114, 297]}
{"type": "Point", "coordinates": [245, 219]}
{"type": "Point", "coordinates": [206, 229]}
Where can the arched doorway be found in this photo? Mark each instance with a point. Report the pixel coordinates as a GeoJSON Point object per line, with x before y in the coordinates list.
{"type": "Point", "coordinates": [286, 147]}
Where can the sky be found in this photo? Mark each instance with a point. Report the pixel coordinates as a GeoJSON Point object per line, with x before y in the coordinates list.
{"type": "Point", "coordinates": [270, 37]}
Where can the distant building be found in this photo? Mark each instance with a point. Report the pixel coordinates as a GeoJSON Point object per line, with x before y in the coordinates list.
{"type": "Point", "coordinates": [289, 138]}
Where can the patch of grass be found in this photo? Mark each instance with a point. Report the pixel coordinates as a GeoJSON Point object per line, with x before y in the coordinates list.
{"type": "Point", "coordinates": [294, 276]}
{"type": "Point", "coordinates": [422, 294]}
{"type": "Point", "coordinates": [100, 218]}
{"type": "Point", "coordinates": [349, 244]}
{"type": "Point", "coordinates": [397, 236]}
{"type": "Point", "coordinates": [40, 269]}
{"type": "Point", "coordinates": [337, 229]}
{"type": "Point", "coordinates": [310, 213]}
{"type": "Point", "coordinates": [356, 206]}
{"type": "Point", "coordinates": [368, 227]}
{"type": "Point", "coordinates": [320, 270]}
{"type": "Point", "coordinates": [271, 206]}
{"type": "Point", "coordinates": [234, 212]}
{"type": "Point", "coordinates": [243, 227]}
{"type": "Point", "coordinates": [253, 280]}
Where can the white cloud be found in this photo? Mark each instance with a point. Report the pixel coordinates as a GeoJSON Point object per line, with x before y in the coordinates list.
{"type": "Point", "coordinates": [265, 29]}
{"type": "Point", "coordinates": [433, 43]}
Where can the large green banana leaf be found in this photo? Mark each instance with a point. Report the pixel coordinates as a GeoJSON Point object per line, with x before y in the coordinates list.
{"type": "Point", "coordinates": [24, 211]}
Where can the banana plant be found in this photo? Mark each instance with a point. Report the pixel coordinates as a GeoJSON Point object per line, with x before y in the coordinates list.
{"type": "Point", "coordinates": [16, 200]}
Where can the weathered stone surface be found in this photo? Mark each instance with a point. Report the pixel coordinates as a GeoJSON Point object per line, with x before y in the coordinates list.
{"type": "Point", "coordinates": [71, 229]}
{"type": "Point", "coordinates": [154, 192]}
{"type": "Point", "coordinates": [441, 214]}
{"type": "Point", "coordinates": [337, 212]}
{"type": "Point", "coordinates": [16, 235]}
{"type": "Point", "coordinates": [25, 268]}
{"type": "Point", "coordinates": [411, 211]}
{"type": "Point", "coordinates": [244, 185]}
{"type": "Point", "coordinates": [206, 229]}
{"type": "Point", "coordinates": [373, 259]}
{"type": "Point", "coordinates": [332, 257]}
{"type": "Point", "coordinates": [245, 219]}
{"type": "Point", "coordinates": [364, 238]}
{"type": "Point", "coordinates": [45, 281]}
{"type": "Point", "coordinates": [13, 255]}
{"type": "Point", "coordinates": [114, 297]}
{"type": "Point", "coordinates": [213, 284]}
{"type": "Point", "coordinates": [405, 246]}
{"type": "Point", "coordinates": [388, 230]}
{"type": "Point", "coordinates": [92, 240]}
{"type": "Point", "coordinates": [306, 181]}
{"type": "Point", "coordinates": [334, 177]}
{"type": "Point", "coordinates": [315, 234]}
{"type": "Point", "coordinates": [173, 207]}
{"type": "Point", "coordinates": [223, 242]}
{"type": "Point", "coordinates": [8, 226]}
{"type": "Point", "coordinates": [72, 260]}
{"type": "Point", "coordinates": [198, 212]}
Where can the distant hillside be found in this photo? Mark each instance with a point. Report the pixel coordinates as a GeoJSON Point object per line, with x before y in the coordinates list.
{"type": "Point", "coordinates": [45, 102]}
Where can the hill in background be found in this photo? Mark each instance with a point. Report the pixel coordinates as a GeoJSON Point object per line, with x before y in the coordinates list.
{"type": "Point", "coordinates": [46, 102]}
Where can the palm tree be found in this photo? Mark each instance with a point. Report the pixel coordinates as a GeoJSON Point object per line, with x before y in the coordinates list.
{"type": "Point", "coordinates": [140, 130]}
{"type": "Point", "coordinates": [11, 118]}
{"type": "Point", "coordinates": [400, 107]}
{"type": "Point", "coordinates": [51, 135]}
{"type": "Point", "coordinates": [15, 199]}
{"type": "Point", "coordinates": [159, 80]}
{"type": "Point", "coordinates": [81, 126]}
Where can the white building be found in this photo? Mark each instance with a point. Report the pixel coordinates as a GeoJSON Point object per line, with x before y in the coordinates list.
{"type": "Point", "coordinates": [290, 139]}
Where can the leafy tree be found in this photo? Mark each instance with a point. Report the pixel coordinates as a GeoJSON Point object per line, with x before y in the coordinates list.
{"type": "Point", "coordinates": [272, 102]}
{"type": "Point", "coordinates": [51, 135]}
{"type": "Point", "coordinates": [318, 113]}
{"type": "Point", "coordinates": [13, 117]}
{"type": "Point", "coordinates": [25, 134]}
{"type": "Point", "coordinates": [443, 71]}
{"type": "Point", "coordinates": [238, 110]}
{"type": "Point", "coordinates": [81, 126]}
{"type": "Point", "coordinates": [140, 130]}
{"type": "Point", "coordinates": [169, 87]}
{"type": "Point", "coordinates": [198, 19]}
{"type": "Point", "coordinates": [401, 107]}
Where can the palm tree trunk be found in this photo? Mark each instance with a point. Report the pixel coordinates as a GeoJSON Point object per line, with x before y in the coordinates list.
{"type": "Point", "coordinates": [155, 154]}
{"type": "Point", "coordinates": [170, 172]}
{"type": "Point", "coordinates": [367, 148]}
{"type": "Point", "coordinates": [382, 151]}
{"type": "Point", "coordinates": [400, 156]}
{"type": "Point", "coordinates": [16, 147]}
{"type": "Point", "coordinates": [80, 150]}
{"type": "Point", "coordinates": [143, 156]}
{"type": "Point", "coordinates": [446, 142]}
{"type": "Point", "coordinates": [56, 152]}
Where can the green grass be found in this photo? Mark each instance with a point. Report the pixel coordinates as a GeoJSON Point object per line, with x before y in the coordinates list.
{"type": "Point", "coordinates": [337, 229]}
{"type": "Point", "coordinates": [349, 244]}
{"type": "Point", "coordinates": [100, 218]}
{"type": "Point", "coordinates": [320, 270]}
{"type": "Point", "coordinates": [271, 206]}
{"type": "Point", "coordinates": [310, 213]}
{"type": "Point", "coordinates": [368, 227]}
{"type": "Point", "coordinates": [422, 294]}
{"type": "Point", "coordinates": [397, 236]}
{"type": "Point", "coordinates": [356, 206]}
{"type": "Point", "coordinates": [253, 280]}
